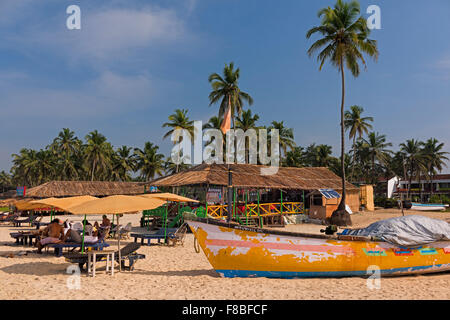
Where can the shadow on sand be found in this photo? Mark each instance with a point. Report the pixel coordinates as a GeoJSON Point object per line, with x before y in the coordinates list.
{"type": "Point", "coordinates": [179, 273]}
{"type": "Point", "coordinates": [36, 268]}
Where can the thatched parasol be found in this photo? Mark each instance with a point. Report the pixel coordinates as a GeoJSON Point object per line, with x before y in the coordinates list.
{"type": "Point", "coordinates": [168, 197]}
{"type": "Point", "coordinates": [118, 205]}
{"type": "Point", "coordinates": [64, 203]}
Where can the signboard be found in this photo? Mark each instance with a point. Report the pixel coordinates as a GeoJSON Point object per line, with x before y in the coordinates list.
{"type": "Point", "coordinates": [21, 191]}
{"type": "Point", "coordinates": [214, 195]}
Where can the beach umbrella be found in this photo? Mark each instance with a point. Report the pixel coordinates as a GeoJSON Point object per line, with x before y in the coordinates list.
{"type": "Point", "coordinates": [118, 204]}
{"type": "Point", "coordinates": [27, 205]}
{"type": "Point", "coordinates": [64, 203]}
{"type": "Point", "coordinates": [168, 197]}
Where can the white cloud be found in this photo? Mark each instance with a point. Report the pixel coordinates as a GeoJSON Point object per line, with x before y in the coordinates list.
{"type": "Point", "coordinates": [109, 94]}
{"type": "Point", "coordinates": [111, 34]}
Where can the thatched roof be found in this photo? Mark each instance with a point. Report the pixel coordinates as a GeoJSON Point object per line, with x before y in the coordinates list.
{"type": "Point", "coordinates": [85, 188]}
{"type": "Point", "coordinates": [8, 194]}
{"type": "Point", "coordinates": [246, 175]}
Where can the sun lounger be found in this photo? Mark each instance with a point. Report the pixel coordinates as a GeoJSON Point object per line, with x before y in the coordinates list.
{"type": "Point", "coordinates": [127, 253]}
{"type": "Point", "coordinates": [123, 232]}
{"type": "Point", "coordinates": [178, 236]}
{"type": "Point", "coordinates": [60, 246]}
{"type": "Point", "coordinates": [23, 238]}
{"type": "Point", "coordinates": [149, 236]}
{"type": "Point", "coordinates": [9, 219]}
{"type": "Point", "coordinates": [18, 222]}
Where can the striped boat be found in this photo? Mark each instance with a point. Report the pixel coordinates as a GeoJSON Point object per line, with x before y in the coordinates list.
{"type": "Point", "coordinates": [239, 251]}
{"type": "Point", "coordinates": [428, 206]}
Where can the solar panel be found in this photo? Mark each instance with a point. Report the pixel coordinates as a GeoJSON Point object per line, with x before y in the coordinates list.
{"type": "Point", "coordinates": [329, 193]}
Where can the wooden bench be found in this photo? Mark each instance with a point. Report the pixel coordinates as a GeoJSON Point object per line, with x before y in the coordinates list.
{"type": "Point", "coordinates": [60, 246]}
{"type": "Point", "coordinates": [149, 236]}
{"type": "Point", "coordinates": [23, 238]}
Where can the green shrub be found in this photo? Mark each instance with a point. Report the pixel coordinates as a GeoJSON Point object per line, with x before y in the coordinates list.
{"type": "Point", "coordinates": [445, 199]}
{"type": "Point", "coordinates": [435, 199]}
{"type": "Point", "coordinates": [384, 202]}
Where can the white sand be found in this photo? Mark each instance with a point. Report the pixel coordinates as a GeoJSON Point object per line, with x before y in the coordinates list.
{"type": "Point", "coordinates": [180, 273]}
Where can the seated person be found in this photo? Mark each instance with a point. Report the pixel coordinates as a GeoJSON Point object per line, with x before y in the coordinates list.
{"type": "Point", "coordinates": [72, 235]}
{"type": "Point", "coordinates": [53, 233]}
{"type": "Point", "coordinates": [104, 227]}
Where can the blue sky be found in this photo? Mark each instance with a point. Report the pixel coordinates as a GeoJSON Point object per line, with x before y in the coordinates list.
{"type": "Point", "coordinates": [134, 62]}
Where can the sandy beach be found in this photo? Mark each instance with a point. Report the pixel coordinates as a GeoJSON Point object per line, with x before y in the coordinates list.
{"type": "Point", "coordinates": [180, 273]}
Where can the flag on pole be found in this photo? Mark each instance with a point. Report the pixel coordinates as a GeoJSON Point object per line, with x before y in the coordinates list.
{"type": "Point", "coordinates": [226, 123]}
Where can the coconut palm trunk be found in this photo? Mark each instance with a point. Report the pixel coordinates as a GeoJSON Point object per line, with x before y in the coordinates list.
{"type": "Point", "coordinates": [342, 203]}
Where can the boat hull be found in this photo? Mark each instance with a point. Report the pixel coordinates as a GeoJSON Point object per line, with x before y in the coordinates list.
{"type": "Point", "coordinates": [428, 207]}
{"type": "Point", "coordinates": [246, 252]}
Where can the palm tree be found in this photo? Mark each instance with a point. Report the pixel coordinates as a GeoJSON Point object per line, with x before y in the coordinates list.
{"type": "Point", "coordinates": [376, 148]}
{"type": "Point", "coordinates": [66, 148]}
{"type": "Point", "coordinates": [357, 125]}
{"type": "Point", "coordinates": [318, 156]}
{"type": "Point", "coordinates": [286, 136]}
{"type": "Point", "coordinates": [345, 38]}
{"type": "Point", "coordinates": [148, 161]}
{"type": "Point", "coordinates": [5, 181]}
{"type": "Point", "coordinates": [413, 156]}
{"type": "Point", "coordinates": [295, 158]}
{"type": "Point", "coordinates": [434, 158]}
{"type": "Point", "coordinates": [66, 142]}
{"type": "Point", "coordinates": [97, 154]}
{"type": "Point", "coordinates": [226, 90]}
{"type": "Point", "coordinates": [246, 122]}
{"type": "Point", "coordinates": [24, 167]}
{"type": "Point", "coordinates": [123, 164]}
{"type": "Point", "coordinates": [179, 120]}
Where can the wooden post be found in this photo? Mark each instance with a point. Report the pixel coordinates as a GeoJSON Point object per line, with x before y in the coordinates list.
{"type": "Point", "coordinates": [118, 244]}
{"type": "Point", "coordinates": [281, 206]}
{"type": "Point", "coordinates": [234, 203]}
{"type": "Point", "coordinates": [84, 230]}
{"type": "Point", "coordinates": [259, 216]}
{"type": "Point", "coordinates": [245, 201]}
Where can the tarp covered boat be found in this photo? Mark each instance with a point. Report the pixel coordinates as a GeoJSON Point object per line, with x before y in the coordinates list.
{"type": "Point", "coordinates": [239, 251]}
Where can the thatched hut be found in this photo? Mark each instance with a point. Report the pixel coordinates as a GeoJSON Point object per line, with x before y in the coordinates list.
{"type": "Point", "coordinates": [290, 183]}
{"type": "Point", "coordinates": [85, 188]}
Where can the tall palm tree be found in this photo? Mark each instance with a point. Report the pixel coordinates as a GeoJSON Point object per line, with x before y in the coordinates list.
{"type": "Point", "coordinates": [226, 90]}
{"type": "Point", "coordinates": [345, 39]}
{"type": "Point", "coordinates": [413, 156]}
{"type": "Point", "coordinates": [357, 126]}
{"type": "Point", "coordinates": [148, 161]}
{"type": "Point", "coordinates": [97, 154]}
{"type": "Point", "coordinates": [377, 151]}
{"type": "Point", "coordinates": [179, 120]}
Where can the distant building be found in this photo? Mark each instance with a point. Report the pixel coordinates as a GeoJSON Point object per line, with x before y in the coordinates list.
{"type": "Point", "coordinates": [439, 185]}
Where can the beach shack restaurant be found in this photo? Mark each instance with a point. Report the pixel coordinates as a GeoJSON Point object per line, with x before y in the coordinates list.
{"type": "Point", "coordinates": [260, 199]}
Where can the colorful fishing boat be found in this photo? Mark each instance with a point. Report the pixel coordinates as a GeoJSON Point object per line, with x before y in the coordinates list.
{"type": "Point", "coordinates": [428, 206]}
{"type": "Point", "coordinates": [240, 251]}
